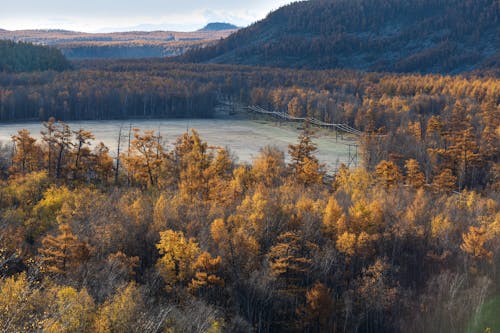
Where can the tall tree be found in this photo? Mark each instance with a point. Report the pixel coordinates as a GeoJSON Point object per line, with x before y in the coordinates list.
{"type": "Point", "coordinates": [178, 257]}
{"type": "Point", "coordinates": [62, 253]}
{"type": "Point", "coordinates": [83, 140]}
{"type": "Point", "coordinates": [27, 155]}
{"type": "Point", "coordinates": [145, 157]}
{"type": "Point", "coordinates": [304, 165]}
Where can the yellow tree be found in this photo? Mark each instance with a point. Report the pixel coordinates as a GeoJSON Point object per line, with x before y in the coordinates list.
{"type": "Point", "coordinates": [219, 175]}
{"type": "Point", "coordinates": [388, 173]}
{"type": "Point", "coordinates": [101, 162]}
{"type": "Point", "coordinates": [304, 165]}
{"type": "Point", "coordinates": [474, 242]}
{"type": "Point", "coordinates": [414, 176]}
{"type": "Point", "coordinates": [27, 154]}
{"type": "Point", "coordinates": [121, 312]}
{"type": "Point", "coordinates": [206, 276]}
{"type": "Point", "coordinates": [21, 305]}
{"type": "Point", "coordinates": [73, 312]}
{"type": "Point", "coordinates": [145, 158]}
{"type": "Point", "coordinates": [445, 181]}
{"type": "Point", "coordinates": [178, 256]}
{"type": "Point", "coordinates": [269, 166]}
{"type": "Point", "coordinates": [62, 253]}
{"type": "Point", "coordinates": [462, 150]}
{"type": "Point", "coordinates": [434, 131]}
{"type": "Point", "coordinates": [193, 160]}
{"type": "Point", "coordinates": [255, 210]}
{"type": "Point", "coordinates": [367, 217]}
{"type": "Point", "coordinates": [290, 261]}
{"type": "Point", "coordinates": [333, 218]}
{"type": "Point", "coordinates": [238, 248]}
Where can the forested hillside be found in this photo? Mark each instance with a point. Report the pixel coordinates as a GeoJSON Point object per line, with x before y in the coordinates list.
{"type": "Point", "coordinates": [26, 57]}
{"type": "Point", "coordinates": [215, 26]}
{"type": "Point", "coordinates": [445, 36]}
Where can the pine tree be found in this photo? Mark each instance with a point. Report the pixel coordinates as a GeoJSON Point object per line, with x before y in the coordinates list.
{"type": "Point", "coordinates": [289, 261]}
{"type": "Point", "coordinates": [62, 253]}
{"type": "Point", "coordinates": [414, 176]}
{"type": "Point", "coordinates": [28, 155]}
{"type": "Point", "coordinates": [445, 181]}
{"type": "Point", "coordinates": [206, 276]}
{"type": "Point", "coordinates": [388, 173]}
{"type": "Point", "coordinates": [304, 165]}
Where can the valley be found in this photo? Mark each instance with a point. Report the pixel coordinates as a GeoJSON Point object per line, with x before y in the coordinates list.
{"type": "Point", "coordinates": [243, 138]}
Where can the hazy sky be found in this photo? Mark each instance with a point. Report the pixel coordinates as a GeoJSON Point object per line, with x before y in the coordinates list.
{"type": "Point", "coordinates": [107, 15]}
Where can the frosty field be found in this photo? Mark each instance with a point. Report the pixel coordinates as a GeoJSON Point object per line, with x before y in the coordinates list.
{"type": "Point", "coordinates": [244, 138]}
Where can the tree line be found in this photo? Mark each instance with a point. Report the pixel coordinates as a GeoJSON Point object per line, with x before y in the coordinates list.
{"type": "Point", "coordinates": [446, 123]}
{"type": "Point", "coordinates": [27, 57]}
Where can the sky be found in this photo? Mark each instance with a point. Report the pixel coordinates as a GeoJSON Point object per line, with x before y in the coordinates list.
{"type": "Point", "coordinates": [122, 15]}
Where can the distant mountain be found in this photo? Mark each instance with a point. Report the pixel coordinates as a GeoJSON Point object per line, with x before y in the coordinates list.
{"type": "Point", "coordinates": [218, 26]}
{"type": "Point", "coordinates": [26, 57]}
{"type": "Point", "coordinates": [443, 36]}
{"type": "Point", "coordinates": [131, 44]}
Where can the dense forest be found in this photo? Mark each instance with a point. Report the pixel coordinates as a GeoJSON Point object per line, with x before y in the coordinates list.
{"type": "Point", "coordinates": [137, 49]}
{"type": "Point", "coordinates": [183, 239]}
{"type": "Point", "coordinates": [180, 237]}
{"type": "Point", "coordinates": [428, 36]}
{"type": "Point", "coordinates": [27, 57]}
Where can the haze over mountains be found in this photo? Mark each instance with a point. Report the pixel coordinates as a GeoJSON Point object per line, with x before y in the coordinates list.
{"type": "Point", "coordinates": [445, 36]}
{"type": "Point", "coordinates": [133, 44]}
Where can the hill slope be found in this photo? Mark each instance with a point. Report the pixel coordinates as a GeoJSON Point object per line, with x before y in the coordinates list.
{"type": "Point", "coordinates": [218, 26]}
{"type": "Point", "coordinates": [444, 36]}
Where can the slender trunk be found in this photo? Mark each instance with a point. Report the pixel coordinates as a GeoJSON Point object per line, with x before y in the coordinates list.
{"type": "Point", "coordinates": [117, 170]}
{"type": "Point", "coordinates": [77, 161]}
{"type": "Point", "coordinates": [128, 152]}
{"type": "Point", "coordinates": [59, 161]}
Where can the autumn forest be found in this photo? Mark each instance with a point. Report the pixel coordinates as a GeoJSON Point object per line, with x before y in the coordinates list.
{"type": "Point", "coordinates": [158, 236]}
{"type": "Point", "coordinates": [183, 239]}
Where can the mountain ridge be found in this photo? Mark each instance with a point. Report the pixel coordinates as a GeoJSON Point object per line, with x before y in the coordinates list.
{"type": "Point", "coordinates": [130, 44]}
{"type": "Point", "coordinates": [443, 36]}
{"type": "Point", "coordinates": [219, 26]}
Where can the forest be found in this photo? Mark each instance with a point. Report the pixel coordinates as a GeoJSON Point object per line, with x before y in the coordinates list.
{"type": "Point", "coordinates": [27, 57]}
{"type": "Point", "coordinates": [425, 36]}
{"type": "Point", "coordinates": [180, 237]}
{"type": "Point", "coordinates": [184, 239]}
